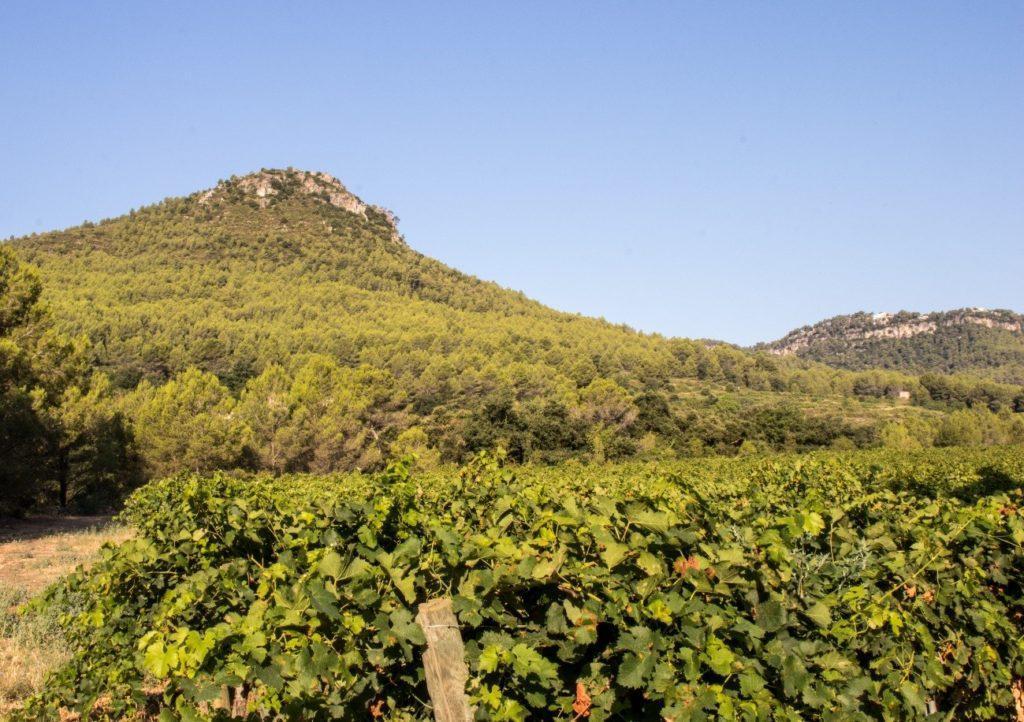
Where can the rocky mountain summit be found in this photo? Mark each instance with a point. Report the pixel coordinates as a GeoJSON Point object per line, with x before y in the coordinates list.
{"type": "Point", "coordinates": [267, 186]}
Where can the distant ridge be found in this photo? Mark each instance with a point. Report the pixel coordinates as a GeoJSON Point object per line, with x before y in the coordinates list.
{"type": "Point", "coordinates": [972, 340]}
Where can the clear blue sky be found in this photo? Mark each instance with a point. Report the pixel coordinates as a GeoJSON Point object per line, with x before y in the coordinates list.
{"type": "Point", "coordinates": [702, 169]}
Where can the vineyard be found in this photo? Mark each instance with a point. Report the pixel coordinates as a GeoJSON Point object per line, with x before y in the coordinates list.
{"type": "Point", "coordinates": [858, 586]}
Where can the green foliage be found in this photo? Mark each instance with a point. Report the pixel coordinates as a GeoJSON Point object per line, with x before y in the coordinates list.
{"type": "Point", "coordinates": [21, 432]}
{"type": "Point", "coordinates": [860, 586]}
{"type": "Point", "coordinates": [20, 289]}
{"type": "Point", "coordinates": [187, 423]}
{"type": "Point", "coordinates": [60, 435]}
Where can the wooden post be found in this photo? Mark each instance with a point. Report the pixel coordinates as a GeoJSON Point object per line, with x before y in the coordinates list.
{"type": "Point", "coordinates": [1018, 697]}
{"type": "Point", "coordinates": [444, 661]}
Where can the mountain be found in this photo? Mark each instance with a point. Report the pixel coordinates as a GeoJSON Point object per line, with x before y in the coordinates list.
{"type": "Point", "coordinates": [282, 263]}
{"type": "Point", "coordinates": [967, 340]}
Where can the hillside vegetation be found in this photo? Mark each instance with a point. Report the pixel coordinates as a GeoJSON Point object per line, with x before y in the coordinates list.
{"type": "Point", "coordinates": [969, 340]}
{"type": "Point", "coordinates": [277, 322]}
{"type": "Point", "coordinates": [231, 282]}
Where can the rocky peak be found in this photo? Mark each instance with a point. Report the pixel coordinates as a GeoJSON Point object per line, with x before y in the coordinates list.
{"type": "Point", "coordinates": [267, 185]}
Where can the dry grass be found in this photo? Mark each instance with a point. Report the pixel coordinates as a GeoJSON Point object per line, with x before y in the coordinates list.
{"type": "Point", "coordinates": [30, 646]}
{"type": "Point", "coordinates": [34, 554]}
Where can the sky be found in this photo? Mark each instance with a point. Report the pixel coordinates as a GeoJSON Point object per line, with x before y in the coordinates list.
{"type": "Point", "coordinates": [726, 170]}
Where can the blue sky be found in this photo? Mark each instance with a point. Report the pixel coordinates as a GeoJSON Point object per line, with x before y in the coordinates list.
{"type": "Point", "coordinates": [726, 170]}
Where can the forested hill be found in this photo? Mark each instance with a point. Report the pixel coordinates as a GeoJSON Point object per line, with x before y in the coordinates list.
{"type": "Point", "coordinates": [277, 264]}
{"type": "Point", "coordinates": [967, 340]}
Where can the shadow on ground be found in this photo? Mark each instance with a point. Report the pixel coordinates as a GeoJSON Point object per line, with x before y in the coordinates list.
{"type": "Point", "coordinates": [36, 527]}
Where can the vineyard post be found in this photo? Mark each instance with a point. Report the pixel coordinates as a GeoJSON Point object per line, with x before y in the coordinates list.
{"type": "Point", "coordinates": [444, 661]}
